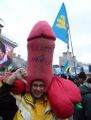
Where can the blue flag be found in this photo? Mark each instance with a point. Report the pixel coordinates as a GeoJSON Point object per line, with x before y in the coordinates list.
{"type": "Point", "coordinates": [66, 67]}
{"type": "Point", "coordinates": [61, 25]}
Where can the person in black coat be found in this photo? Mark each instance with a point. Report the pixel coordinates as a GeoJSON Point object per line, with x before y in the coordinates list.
{"type": "Point", "coordinates": [80, 78]}
{"type": "Point", "coordinates": [85, 112]}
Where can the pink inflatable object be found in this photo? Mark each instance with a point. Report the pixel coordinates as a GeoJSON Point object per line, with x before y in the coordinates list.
{"type": "Point", "coordinates": [41, 44]}
{"type": "Point", "coordinates": [63, 95]}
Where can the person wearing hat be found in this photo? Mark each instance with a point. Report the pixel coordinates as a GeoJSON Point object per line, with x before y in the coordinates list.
{"type": "Point", "coordinates": [81, 78]}
{"type": "Point", "coordinates": [33, 99]}
{"type": "Point", "coordinates": [85, 112]}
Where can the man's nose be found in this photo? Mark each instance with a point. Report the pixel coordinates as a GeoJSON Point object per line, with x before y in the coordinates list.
{"type": "Point", "coordinates": [38, 87]}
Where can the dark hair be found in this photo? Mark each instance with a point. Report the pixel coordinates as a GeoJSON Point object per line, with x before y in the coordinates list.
{"type": "Point", "coordinates": [82, 75]}
{"type": "Point", "coordinates": [2, 47]}
{"type": "Point", "coordinates": [63, 76]}
{"type": "Point", "coordinates": [89, 80]}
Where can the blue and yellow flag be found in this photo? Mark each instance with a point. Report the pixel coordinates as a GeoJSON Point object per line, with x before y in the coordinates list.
{"type": "Point", "coordinates": [9, 68]}
{"type": "Point", "coordinates": [65, 68]}
{"type": "Point", "coordinates": [61, 25]}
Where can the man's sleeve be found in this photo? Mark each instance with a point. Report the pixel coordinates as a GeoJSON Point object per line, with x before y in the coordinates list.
{"type": "Point", "coordinates": [87, 106]}
{"type": "Point", "coordinates": [8, 106]}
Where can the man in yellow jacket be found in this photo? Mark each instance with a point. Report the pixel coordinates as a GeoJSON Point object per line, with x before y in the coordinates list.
{"type": "Point", "coordinates": [27, 106]}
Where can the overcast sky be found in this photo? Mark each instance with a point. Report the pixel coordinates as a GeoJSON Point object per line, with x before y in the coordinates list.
{"type": "Point", "coordinates": [20, 16]}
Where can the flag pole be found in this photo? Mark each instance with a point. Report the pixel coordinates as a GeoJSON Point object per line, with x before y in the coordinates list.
{"type": "Point", "coordinates": [68, 50]}
{"type": "Point", "coordinates": [72, 50]}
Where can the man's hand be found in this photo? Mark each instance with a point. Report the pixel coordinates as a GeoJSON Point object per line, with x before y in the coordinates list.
{"type": "Point", "coordinates": [19, 74]}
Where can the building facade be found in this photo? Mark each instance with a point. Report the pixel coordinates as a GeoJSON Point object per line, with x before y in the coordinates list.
{"type": "Point", "coordinates": [67, 56]}
{"type": "Point", "coordinates": [10, 57]}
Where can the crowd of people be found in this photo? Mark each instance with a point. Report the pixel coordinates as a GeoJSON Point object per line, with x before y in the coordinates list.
{"type": "Point", "coordinates": [35, 93]}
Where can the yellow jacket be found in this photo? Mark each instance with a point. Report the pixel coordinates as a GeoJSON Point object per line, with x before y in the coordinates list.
{"type": "Point", "coordinates": [33, 110]}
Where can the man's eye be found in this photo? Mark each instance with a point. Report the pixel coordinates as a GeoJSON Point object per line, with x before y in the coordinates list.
{"type": "Point", "coordinates": [38, 85]}
{"type": "Point", "coordinates": [35, 85]}
{"type": "Point", "coordinates": [41, 85]}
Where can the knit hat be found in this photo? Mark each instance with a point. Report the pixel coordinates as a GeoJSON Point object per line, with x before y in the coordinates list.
{"type": "Point", "coordinates": [40, 46]}
{"type": "Point", "coordinates": [82, 75]}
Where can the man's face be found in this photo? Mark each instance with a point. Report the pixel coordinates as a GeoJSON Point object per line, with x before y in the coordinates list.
{"type": "Point", "coordinates": [1, 55]}
{"type": "Point", "coordinates": [37, 88]}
